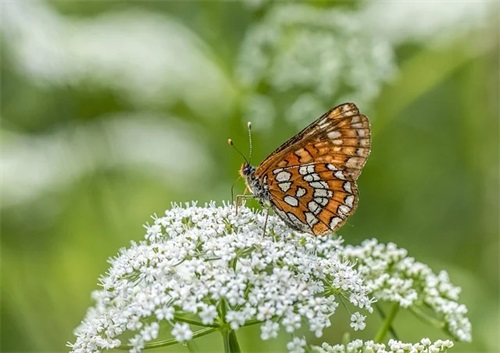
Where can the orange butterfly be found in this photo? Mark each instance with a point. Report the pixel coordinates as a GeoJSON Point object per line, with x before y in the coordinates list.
{"type": "Point", "coordinates": [310, 180]}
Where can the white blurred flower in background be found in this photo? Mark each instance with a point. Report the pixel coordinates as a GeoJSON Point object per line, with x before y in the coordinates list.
{"type": "Point", "coordinates": [429, 22]}
{"type": "Point", "coordinates": [323, 54]}
{"type": "Point", "coordinates": [32, 165]}
{"type": "Point", "coordinates": [149, 59]}
{"type": "Point", "coordinates": [311, 58]}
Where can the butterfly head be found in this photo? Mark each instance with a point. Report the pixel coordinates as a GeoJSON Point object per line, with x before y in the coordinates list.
{"type": "Point", "coordinates": [256, 186]}
{"type": "Point", "coordinates": [246, 170]}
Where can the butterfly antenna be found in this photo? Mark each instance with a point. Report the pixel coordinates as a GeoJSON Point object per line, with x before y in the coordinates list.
{"type": "Point", "coordinates": [231, 143]}
{"type": "Point", "coordinates": [249, 125]}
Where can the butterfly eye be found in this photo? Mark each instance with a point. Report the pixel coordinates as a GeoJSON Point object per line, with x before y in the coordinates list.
{"type": "Point", "coordinates": [246, 169]}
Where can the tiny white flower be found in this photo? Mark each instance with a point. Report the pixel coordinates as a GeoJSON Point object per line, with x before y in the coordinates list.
{"type": "Point", "coordinates": [269, 330]}
{"type": "Point", "coordinates": [236, 319]}
{"type": "Point", "coordinates": [358, 321]}
{"type": "Point", "coordinates": [392, 346]}
{"type": "Point", "coordinates": [165, 312]}
{"type": "Point", "coordinates": [296, 345]}
{"type": "Point", "coordinates": [182, 332]}
{"type": "Point", "coordinates": [208, 314]}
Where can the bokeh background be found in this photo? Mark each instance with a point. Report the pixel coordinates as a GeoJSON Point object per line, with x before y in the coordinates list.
{"type": "Point", "coordinates": [111, 110]}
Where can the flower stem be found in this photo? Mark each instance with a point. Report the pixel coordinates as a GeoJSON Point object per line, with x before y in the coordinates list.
{"type": "Point", "coordinates": [171, 341]}
{"type": "Point", "coordinates": [426, 318]}
{"type": "Point", "coordinates": [228, 335]}
{"type": "Point", "coordinates": [387, 323]}
{"type": "Point", "coordinates": [230, 341]}
{"type": "Point", "coordinates": [233, 342]}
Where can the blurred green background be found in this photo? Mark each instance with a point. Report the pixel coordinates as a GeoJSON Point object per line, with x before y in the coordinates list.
{"type": "Point", "coordinates": [111, 110]}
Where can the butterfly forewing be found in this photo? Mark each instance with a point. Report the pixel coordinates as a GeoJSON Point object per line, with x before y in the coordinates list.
{"type": "Point", "coordinates": [311, 178]}
{"type": "Point", "coordinates": [339, 133]}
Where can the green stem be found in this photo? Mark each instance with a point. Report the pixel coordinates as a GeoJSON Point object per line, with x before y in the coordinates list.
{"type": "Point", "coordinates": [192, 346]}
{"type": "Point", "coordinates": [233, 342]}
{"type": "Point", "coordinates": [228, 335]}
{"type": "Point", "coordinates": [379, 337]}
{"type": "Point", "coordinates": [225, 339]}
{"type": "Point", "coordinates": [252, 322]}
{"type": "Point", "coordinates": [426, 318]}
{"type": "Point", "coordinates": [171, 341]}
{"type": "Point", "coordinates": [179, 318]}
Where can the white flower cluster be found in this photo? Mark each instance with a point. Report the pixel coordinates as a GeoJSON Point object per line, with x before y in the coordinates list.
{"type": "Point", "coordinates": [393, 276]}
{"type": "Point", "coordinates": [325, 52]}
{"type": "Point", "coordinates": [210, 267]}
{"type": "Point", "coordinates": [393, 346]}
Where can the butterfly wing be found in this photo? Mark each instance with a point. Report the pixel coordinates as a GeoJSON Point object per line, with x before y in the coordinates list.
{"type": "Point", "coordinates": [312, 177]}
{"type": "Point", "coordinates": [340, 136]}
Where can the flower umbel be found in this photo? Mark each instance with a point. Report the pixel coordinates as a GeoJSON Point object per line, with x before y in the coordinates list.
{"type": "Point", "coordinates": [393, 276]}
{"type": "Point", "coordinates": [393, 346]}
{"type": "Point", "coordinates": [210, 267]}
{"type": "Point", "coordinates": [205, 269]}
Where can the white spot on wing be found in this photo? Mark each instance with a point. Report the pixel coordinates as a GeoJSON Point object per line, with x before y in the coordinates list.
{"type": "Point", "coordinates": [292, 201]}
{"type": "Point", "coordinates": [334, 134]}
{"type": "Point", "coordinates": [285, 186]}
{"type": "Point", "coordinates": [312, 177]}
{"type": "Point", "coordinates": [319, 185]}
{"type": "Point", "coordinates": [347, 187]}
{"type": "Point", "coordinates": [277, 170]}
{"type": "Point", "coordinates": [300, 191]}
{"type": "Point", "coordinates": [339, 175]}
{"type": "Point", "coordinates": [349, 201]}
{"type": "Point", "coordinates": [334, 222]}
{"type": "Point", "coordinates": [306, 169]}
{"type": "Point", "coordinates": [323, 125]}
{"type": "Point", "coordinates": [322, 193]}
{"type": "Point", "coordinates": [314, 207]}
{"type": "Point", "coordinates": [311, 219]}
{"type": "Point", "coordinates": [283, 176]}
{"type": "Point", "coordinates": [344, 210]}
{"type": "Point", "coordinates": [331, 167]}
{"type": "Point", "coordinates": [321, 200]}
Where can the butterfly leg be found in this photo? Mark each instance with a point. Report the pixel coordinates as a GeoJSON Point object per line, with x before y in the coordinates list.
{"type": "Point", "coordinates": [265, 220]}
{"type": "Point", "coordinates": [240, 198]}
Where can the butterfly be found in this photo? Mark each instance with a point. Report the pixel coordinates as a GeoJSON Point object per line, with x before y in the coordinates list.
{"type": "Point", "coordinates": [310, 180]}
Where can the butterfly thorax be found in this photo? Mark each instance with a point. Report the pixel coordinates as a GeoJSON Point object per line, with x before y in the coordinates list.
{"type": "Point", "coordinates": [256, 186]}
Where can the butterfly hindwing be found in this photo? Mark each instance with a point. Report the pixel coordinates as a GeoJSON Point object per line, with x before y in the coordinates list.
{"type": "Point", "coordinates": [316, 198]}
